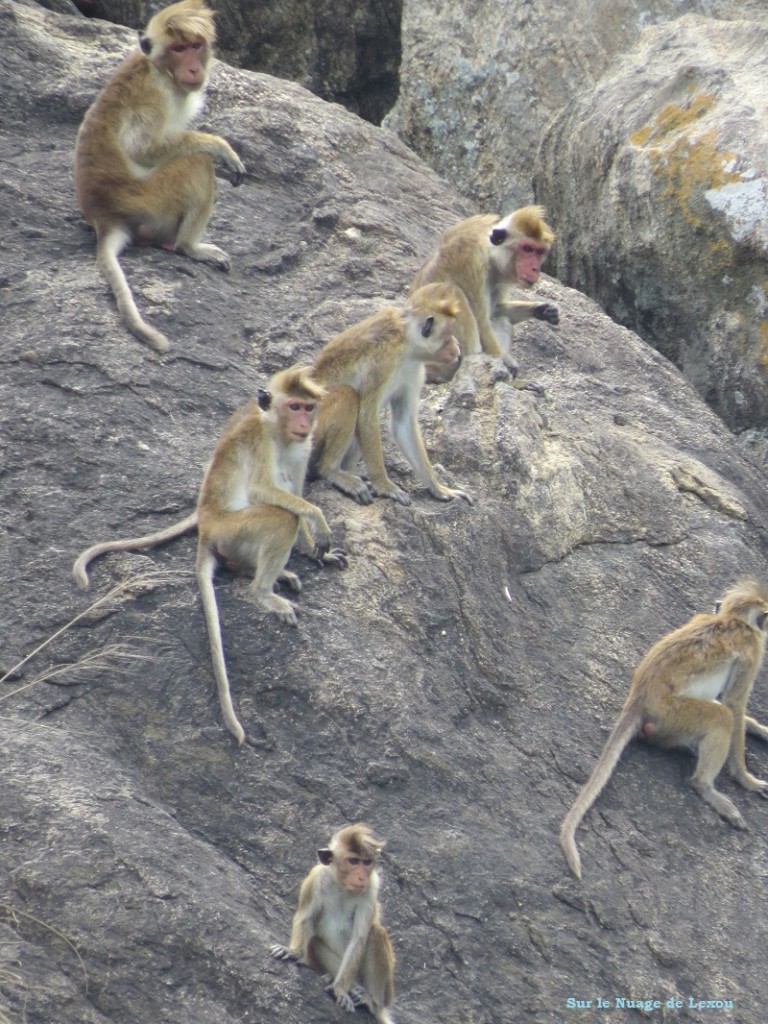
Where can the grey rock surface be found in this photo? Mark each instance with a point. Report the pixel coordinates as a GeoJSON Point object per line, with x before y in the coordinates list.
{"type": "Point", "coordinates": [453, 686]}
{"type": "Point", "coordinates": [656, 180]}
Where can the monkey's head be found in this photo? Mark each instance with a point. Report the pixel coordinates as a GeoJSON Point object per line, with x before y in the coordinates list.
{"type": "Point", "coordinates": [430, 316]}
{"type": "Point", "coordinates": [294, 399]}
{"type": "Point", "coordinates": [178, 40]}
{"type": "Point", "coordinates": [519, 244]}
{"type": "Point", "coordinates": [748, 599]}
{"type": "Point", "coordinates": [352, 855]}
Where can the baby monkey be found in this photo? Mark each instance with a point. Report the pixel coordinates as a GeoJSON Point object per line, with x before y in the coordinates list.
{"type": "Point", "coordinates": [691, 690]}
{"type": "Point", "coordinates": [336, 928]}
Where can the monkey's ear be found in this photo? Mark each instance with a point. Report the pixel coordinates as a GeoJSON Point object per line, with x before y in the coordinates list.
{"type": "Point", "coordinates": [761, 620]}
{"type": "Point", "coordinates": [717, 607]}
{"type": "Point", "coordinates": [426, 327]}
{"type": "Point", "coordinates": [264, 398]}
{"type": "Point", "coordinates": [145, 44]}
{"type": "Point", "coordinates": [498, 236]}
{"type": "Point", "coordinates": [325, 856]}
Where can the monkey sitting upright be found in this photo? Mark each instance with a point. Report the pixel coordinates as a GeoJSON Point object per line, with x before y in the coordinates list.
{"type": "Point", "coordinates": [250, 511]}
{"type": "Point", "coordinates": [139, 176]}
{"type": "Point", "coordinates": [691, 690]}
{"type": "Point", "coordinates": [484, 257]}
{"type": "Point", "coordinates": [336, 928]}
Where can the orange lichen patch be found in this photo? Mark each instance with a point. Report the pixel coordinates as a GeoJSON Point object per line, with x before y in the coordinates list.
{"type": "Point", "coordinates": [686, 158]}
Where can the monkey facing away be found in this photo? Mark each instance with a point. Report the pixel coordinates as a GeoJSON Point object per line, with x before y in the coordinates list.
{"type": "Point", "coordinates": [376, 363]}
{"type": "Point", "coordinates": [484, 257]}
{"type": "Point", "coordinates": [691, 690]}
{"type": "Point", "coordinates": [336, 928]}
{"type": "Point", "coordinates": [139, 175]}
{"type": "Point", "coordinates": [250, 512]}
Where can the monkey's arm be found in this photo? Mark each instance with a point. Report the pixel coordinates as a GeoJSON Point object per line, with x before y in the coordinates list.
{"type": "Point", "coordinates": [518, 310]}
{"type": "Point", "coordinates": [267, 494]}
{"type": "Point", "coordinates": [369, 439]}
{"type": "Point", "coordinates": [191, 143]}
{"type": "Point", "coordinates": [353, 954]}
{"type": "Point", "coordinates": [735, 697]}
{"type": "Point", "coordinates": [405, 428]}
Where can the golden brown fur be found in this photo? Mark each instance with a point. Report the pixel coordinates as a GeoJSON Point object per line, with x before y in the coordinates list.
{"type": "Point", "coordinates": [692, 689]}
{"type": "Point", "coordinates": [139, 176]}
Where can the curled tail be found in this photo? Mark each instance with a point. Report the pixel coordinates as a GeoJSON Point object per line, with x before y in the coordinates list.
{"type": "Point", "coordinates": [206, 566]}
{"type": "Point", "coordinates": [150, 540]}
{"type": "Point", "coordinates": [627, 726]}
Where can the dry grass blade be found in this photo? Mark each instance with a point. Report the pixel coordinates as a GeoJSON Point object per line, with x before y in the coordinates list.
{"type": "Point", "coordinates": [126, 588]}
{"type": "Point", "coordinates": [98, 658]}
{"type": "Point", "coordinates": [14, 916]}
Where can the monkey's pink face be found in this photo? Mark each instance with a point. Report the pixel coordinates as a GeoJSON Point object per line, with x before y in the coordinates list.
{"type": "Point", "coordinates": [295, 418]}
{"type": "Point", "coordinates": [353, 873]}
{"type": "Point", "coordinates": [528, 262]}
{"type": "Point", "coordinates": [187, 62]}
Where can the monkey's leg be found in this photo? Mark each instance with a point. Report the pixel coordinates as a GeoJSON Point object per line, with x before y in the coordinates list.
{"type": "Point", "coordinates": [335, 435]}
{"type": "Point", "coordinates": [378, 972]}
{"type": "Point", "coordinates": [272, 533]}
{"type": "Point", "coordinates": [714, 727]}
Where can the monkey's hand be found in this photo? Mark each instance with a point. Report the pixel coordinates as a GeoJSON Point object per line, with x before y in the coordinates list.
{"type": "Point", "coordinates": [753, 784]}
{"type": "Point", "coordinates": [546, 311]}
{"type": "Point", "coordinates": [234, 165]}
{"type": "Point", "coordinates": [343, 999]}
{"type": "Point", "coordinates": [282, 952]}
{"type": "Point", "coordinates": [386, 489]}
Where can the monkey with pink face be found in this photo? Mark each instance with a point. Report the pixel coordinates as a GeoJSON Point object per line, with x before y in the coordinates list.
{"type": "Point", "coordinates": [336, 928]}
{"type": "Point", "coordinates": [484, 258]}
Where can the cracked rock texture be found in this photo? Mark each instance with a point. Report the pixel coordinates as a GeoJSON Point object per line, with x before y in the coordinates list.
{"type": "Point", "coordinates": [452, 687]}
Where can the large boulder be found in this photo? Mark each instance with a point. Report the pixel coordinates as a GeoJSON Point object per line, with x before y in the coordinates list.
{"type": "Point", "coordinates": [453, 686]}
{"type": "Point", "coordinates": [480, 82]}
{"type": "Point", "coordinates": [657, 182]}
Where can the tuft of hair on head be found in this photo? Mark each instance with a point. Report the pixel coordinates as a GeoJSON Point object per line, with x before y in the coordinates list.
{"type": "Point", "coordinates": [358, 839]}
{"type": "Point", "coordinates": [437, 297]}
{"type": "Point", "coordinates": [182, 21]}
{"type": "Point", "coordinates": [529, 221]}
{"type": "Point", "coordinates": [297, 382]}
{"type": "Point", "coordinates": [745, 593]}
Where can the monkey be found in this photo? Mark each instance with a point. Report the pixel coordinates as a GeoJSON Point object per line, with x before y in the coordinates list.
{"type": "Point", "coordinates": [250, 512]}
{"type": "Point", "coordinates": [691, 690]}
{"type": "Point", "coordinates": [484, 257]}
{"type": "Point", "coordinates": [139, 176]}
{"type": "Point", "coordinates": [377, 362]}
{"type": "Point", "coordinates": [336, 928]}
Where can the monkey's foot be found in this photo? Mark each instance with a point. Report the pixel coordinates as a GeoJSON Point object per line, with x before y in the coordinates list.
{"type": "Point", "coordinates": [284, 609]}
{"type": "Point", "coordinates": [725, 808]}
{"type": "Point", "coordinates": [449, 493]}
{"type": "Point", "coordinates": [389, 490]}
{"type": "Point", "coordinates": [358, 995]}
{"type": "Point", "coordinates": [291, 580]}
{"type": "Point", "coordinates": [343, 999]}
{"type": "Point", "coordinates": [281, 952]}
{"type": "Point", "coordinates": [203, 252]}
{"type": "Point", "coordinates": [752, 783]}
{"type": "Point", "coordinates": [349, 484]}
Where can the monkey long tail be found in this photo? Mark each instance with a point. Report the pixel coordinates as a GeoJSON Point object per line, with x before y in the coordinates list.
{"type": "Point", "coordinates": [108, 249]}
{"type": "Point", "coordinates": [627, 726]}
{"type": "Point", "coordinates": [150, 540]}
{"type": "Point", "coordinates": [206, 566]}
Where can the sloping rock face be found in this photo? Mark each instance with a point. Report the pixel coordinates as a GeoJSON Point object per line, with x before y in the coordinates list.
{"type": "Point", "coordinates": [658, 182]}
{"type": "Point", "coordinates": [452, 687]}
{"type": "Point", "coordinates": [480, 82]}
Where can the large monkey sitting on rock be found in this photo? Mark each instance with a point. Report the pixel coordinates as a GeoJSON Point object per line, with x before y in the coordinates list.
{"type": "Point", "coordinates": [250, 512]}
{"type": "Point", "coordinates": [376, 363]}
{"type": "Point", "coordinates": [484, 257]}
{"type": "Point", "coordinates": [336, 928]}
{"type": "Point", "coordinates": [691, 690]}
{"type": "Point", "coordinates": [139, 176]}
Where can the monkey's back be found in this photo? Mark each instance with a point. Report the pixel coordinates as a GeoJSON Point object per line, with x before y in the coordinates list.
{"type": "Point", "coordinates": [361, 353]}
